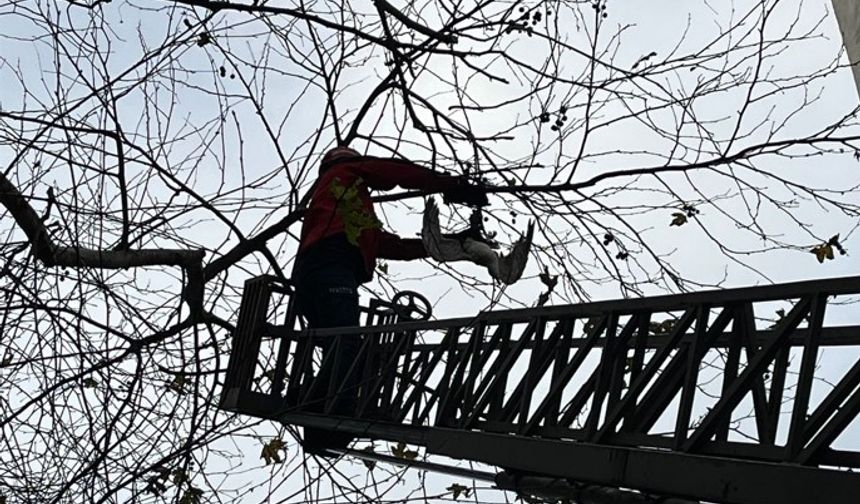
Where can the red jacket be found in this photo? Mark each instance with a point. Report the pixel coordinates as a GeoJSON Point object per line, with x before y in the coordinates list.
{"type": "Point", "coordinates": [341, 204]}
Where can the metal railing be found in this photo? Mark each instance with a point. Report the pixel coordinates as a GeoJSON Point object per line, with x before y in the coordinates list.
{"type": "Point", "coordinates": [696, 376]}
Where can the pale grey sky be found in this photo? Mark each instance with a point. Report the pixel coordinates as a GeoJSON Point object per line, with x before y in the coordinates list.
{"type": "Point", "coordinates": [295, 110]}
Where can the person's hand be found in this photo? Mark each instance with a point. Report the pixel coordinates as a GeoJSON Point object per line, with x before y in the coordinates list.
{"type": "Point", "coordinates": [467, 194]}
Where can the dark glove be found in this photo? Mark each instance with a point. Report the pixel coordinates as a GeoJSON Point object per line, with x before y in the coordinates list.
{"type": "Point", "coordinates": [467, 194]}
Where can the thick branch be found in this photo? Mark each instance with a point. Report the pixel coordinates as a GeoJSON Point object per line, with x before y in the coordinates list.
{"type": "Point", "coordinates": [52, 254]}
{"type": "Point", "coordinates": [747, 153]}
{"type": "Point", "coordinates": [268, 9]}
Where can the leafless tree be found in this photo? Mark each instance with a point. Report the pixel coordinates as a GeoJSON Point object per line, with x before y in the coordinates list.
{"type": "Point", "coordinates": [155, 154]}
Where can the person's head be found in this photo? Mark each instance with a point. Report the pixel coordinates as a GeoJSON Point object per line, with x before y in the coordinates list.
{"type": "Point", "coordinates": [339, 153]}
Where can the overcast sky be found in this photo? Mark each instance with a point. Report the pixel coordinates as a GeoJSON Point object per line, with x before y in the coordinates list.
{"type": "Point", "coordinates": [660, 26]}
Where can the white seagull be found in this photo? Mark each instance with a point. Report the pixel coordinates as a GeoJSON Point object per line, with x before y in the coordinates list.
{"type": "Point", "coordinates": [469, 245]}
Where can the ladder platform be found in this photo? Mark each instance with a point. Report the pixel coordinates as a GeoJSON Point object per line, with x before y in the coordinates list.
{"type": "Point", "coordinates": [711, 396]}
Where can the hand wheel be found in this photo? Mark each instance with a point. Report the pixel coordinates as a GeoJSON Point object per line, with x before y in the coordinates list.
{"type": "Point", "coordinates": [411, 305]}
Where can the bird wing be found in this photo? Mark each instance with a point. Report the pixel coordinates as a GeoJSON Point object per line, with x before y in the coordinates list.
{"type": "Point", "coordinates": [438, 247]}
{"type": "Point", "coordinates": [480, 253]}
{"type": "Point", "coordinates": [512, 265]}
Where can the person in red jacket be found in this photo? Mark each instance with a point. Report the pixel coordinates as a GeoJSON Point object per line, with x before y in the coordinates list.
{"type": "Point", "coordinates": [341, 240]}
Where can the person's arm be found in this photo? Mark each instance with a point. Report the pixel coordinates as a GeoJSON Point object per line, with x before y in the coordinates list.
{"type": "Point", "coordinates": [385, 174]}
{"type": "Point", "coordinates": [394, 247]}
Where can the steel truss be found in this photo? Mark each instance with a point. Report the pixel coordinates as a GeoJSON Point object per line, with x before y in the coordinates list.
{"type": "Point", "coordinates": [692, 395]}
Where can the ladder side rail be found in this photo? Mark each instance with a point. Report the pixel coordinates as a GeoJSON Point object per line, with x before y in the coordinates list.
{"type": "Point", "coordinates": [494, 383]}
{"type": "Point", "coordinates": [756, 368]}
{"type": "Point", "coordinates": [746, 326]}
{"type": "Point", "coordinates": [629, 401]}
{"type": "Point", "coordinates": [831, 430]}
{"type": "Point", "coordinates": [286, 342]}
{"type": "Point", "coordinates": [410, 378]}
{"type": "Point", "coordinates": [730, 371]}
{"type": "Point", "coordinates": [449, 401]}
{"type": "Point", "coordinates": [539, 364]}
{"type": "Point", "coordinates": [695, 352]}
{"type": "Point", "coordinates": [637, 365]}
{"type": "Point", "coordinates": [566, 374]}
{"type": "Point", "coordinates": [666, 386]}
{"type": "Point", "coordinates": [521, 398]}
{"type": "Point", "coordinates": [676, 302]}
{"type": "Point", "coordinates": [661, 472]}
{"type": "Point", "coordinates": [560, 358]}
{"type": "Point", "coordinates": [396, 372]}
{"type": "Point", "coordinates": [798, 419]}
{"type": "Point", "coordinates": [246, 338]}
{"type": "Point", "coordinates": [832, 402]}
{"type": "Point", "coordinates": [451, 352]}
{"type": "Point", "coordinates": [434, 357]}
{"type": "Point", "coordinates": [832, 336]}
{"type": "Point", "coordinates": [481, 351]}
{"type": "Point", "coordinates": [380, 384]}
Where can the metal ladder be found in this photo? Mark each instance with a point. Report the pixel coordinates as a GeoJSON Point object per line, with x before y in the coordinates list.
{"type": "Point", "coordinates": [600, 393]}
